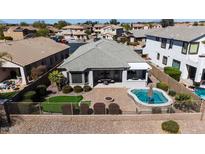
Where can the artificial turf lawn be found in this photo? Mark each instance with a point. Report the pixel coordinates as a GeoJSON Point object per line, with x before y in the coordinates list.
{"type": "Point", "coordinates": [54, 104]}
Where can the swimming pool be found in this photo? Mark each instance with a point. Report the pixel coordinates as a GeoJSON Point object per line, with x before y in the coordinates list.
{"type": "Point", "coordinates": [200, 92]}
{"type": "Point", "coordinates": [158, 98]}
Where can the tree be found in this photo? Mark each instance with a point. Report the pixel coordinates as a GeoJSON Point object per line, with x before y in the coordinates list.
{"type": "Point", "coordinates": [88, 32]}
{"type": "Point", "coordinates": [196, 24]}
{"type": "Point", "coordinates": [39, 24]}
{"type": "Point", "coordinates": [4, 55]}
{"type": "Point", "coordinates": [167, 22]}
{"type": "Point", "coordinates": [60, 24]}
{"type": "Point", "coordinates": [127, 27]}
{"type": "Point", "coordinates": [89, 22]}
{"type": "Point", "coordinates": [38, 71]}
{"type": "Point", "coordinates": [114, 22]}
{"type": "Point", "coordinates": [23, 24]}
{"type": "Point", "coordinates": [43, 32]}
{"type": "Point", "coordinates": [1, 32]}
{"type": "Point", "coordinates": [55, 77]}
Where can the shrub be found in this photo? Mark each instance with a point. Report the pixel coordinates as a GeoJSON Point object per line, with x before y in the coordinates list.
{"type": "Point", "coordinates": [170, 126]}
{"type": "Point", "coordinates": [41, 90]}
{"type": "Point", "coordinates": [22, 108]}
{"type": "Point", "coordinates": [8, 38]}
{"type": "Point", "coordinates": [67, 89]}
{"type": "Point", "coordinates": [172, 92]}
{"type": "Point", "coordinates": [182, 97]}
{"type": "Point", "coordinates": [77, 89]}
{"type": "Point", "coordinates": [30, 95]}
{"type": "Point", "coordinates": [156, 110]}
{"type": "Point", "coordinates": [170, 110]}
{"type": "Point", "coordinates": [87, 88]}
{"type": "Point", "coordinates": [173, 72]}
{"type": "Point", "coordinates": [196, 84]}
{"type": "Point", "coordinates": [162, 86]}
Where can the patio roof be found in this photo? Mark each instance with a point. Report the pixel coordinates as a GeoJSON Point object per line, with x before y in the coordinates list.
{"type": "Point", "coordinates": [101, 54]}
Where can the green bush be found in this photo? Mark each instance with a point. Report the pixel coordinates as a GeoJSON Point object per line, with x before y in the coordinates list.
{"type": "Point", "coordinates": [67, 89]}
{"type": "Point", "coordinates": [170, 126]}
{"type": "Point", "coordinates": [156, 110]}
{"type": "Point", "coordinates": [77, 89]}
{"type": "Point", "coordinates": [41, 90]}
{"type": "Point", "coordinates": [172, 92]}
{"type": "Point", "coordinates": [196, 84]}
{"type": "Point", "coordinates": [87, 88]}
{"type": "Point", "coordinates": [173, 72]}
{"type": "Point", "coordinates": [182, 97]}
{"type": "Point", "coordinates": [162, 86]}
{"type": "Point", "coordinates": [30, 95]}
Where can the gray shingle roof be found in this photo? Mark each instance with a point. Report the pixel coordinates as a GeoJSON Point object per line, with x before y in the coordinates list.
{"type": "Point", "coordinates": [180, 33]}
{"type": "Point", "coordinates": [141, 33]}
{"type": "Point", "coordinates": [101, 54]}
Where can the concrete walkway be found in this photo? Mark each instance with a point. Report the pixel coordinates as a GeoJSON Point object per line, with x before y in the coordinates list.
{"type": "Point", "coordinates": [189, 123]}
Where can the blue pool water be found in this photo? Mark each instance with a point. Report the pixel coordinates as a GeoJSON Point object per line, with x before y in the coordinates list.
{"type": "Point", "coordinates": [200, 92]}
{"type": "Point", "coordinates": [157, 98]}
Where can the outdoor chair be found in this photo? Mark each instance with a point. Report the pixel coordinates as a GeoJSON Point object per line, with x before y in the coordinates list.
{"type": "Point", "coordinates": [84, 108]}
{"type": "Point", "coordinates": [112, 81]}
{"type": "Point", "coordinates": [99, 108]}
{"type": "Point", "coordinates": [67, 109]}
{"type": "Point", "coordinates": [114, 108]}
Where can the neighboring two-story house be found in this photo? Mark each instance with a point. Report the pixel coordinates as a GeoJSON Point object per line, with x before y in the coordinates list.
{"type": "Point", "coordinates": [76, 32]}
{"type": "Point", "coordinates": [180, 47]}
{"type": "Point", "coordinates": [19, 32]}
{"type": "Point", "coordinates": [108, 32]}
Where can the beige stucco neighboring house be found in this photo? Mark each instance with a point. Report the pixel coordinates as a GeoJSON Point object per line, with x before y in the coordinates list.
{"type": "Point", "coordinates": [19, 32]}
{"type": "Point", "coordinates": [29, 53]}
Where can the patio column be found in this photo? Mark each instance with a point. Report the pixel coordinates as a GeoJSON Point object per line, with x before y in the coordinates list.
{"type": "Point", "coordinates": [23, 75]}
{"type": "Point", "coordinates": [124, 76]}
{"type": "Point", "coordinates": [70, 77]}
{"type": "Point", "coordinates": [83, 78]}
{"type": "Point", "coordinates": [90, 78]}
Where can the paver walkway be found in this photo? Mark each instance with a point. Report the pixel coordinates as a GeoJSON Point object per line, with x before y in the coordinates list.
{"type": "Point", "coordinates": [189, 123]}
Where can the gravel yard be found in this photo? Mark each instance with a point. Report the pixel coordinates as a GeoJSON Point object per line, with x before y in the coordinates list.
{"type": "Point", "coordinates": [139, 124]}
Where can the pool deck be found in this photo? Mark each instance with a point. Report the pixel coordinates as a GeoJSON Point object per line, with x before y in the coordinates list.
{"type": "Point", "coordinates": [121, 97]}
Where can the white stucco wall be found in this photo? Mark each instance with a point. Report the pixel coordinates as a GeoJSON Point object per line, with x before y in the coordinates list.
{"type": "Point", "coordinates": [153, 47]}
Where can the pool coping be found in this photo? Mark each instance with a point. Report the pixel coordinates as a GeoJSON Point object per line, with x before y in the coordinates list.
{"type": "Point", "coordinates": [169, 102]}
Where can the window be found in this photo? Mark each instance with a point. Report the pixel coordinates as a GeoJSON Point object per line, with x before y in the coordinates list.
{"type": "Point", "coordinates": [164, 60]}
{"type": "Point", "coordinates": [163, 43]}
{"type": "Point", "coordinates": [158, 56]}
{"type": "Point", "coordinates": [76, 77]}
{"type": "Point", "coordinates": [136, 74]}
{"type": "Point", "coordinates": [193, 49]}
{"type": "Point", "coordinates": [170, 44]}
{"type": "Point", "coordinates": [184, 47]}
{"type": "Point", "coordinates": [157, 38]}
{"type": "Point", "coordinates": [176, 64]}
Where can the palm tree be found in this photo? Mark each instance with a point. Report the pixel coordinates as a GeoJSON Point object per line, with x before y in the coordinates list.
{"type": "Point", "coordinates": [55, 77]}
{"type": "Point", "coordinates": [4, 55]}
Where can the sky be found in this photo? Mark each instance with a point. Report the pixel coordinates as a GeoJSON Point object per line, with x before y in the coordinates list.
{"type": "Point", "coordinates": [74, 21]}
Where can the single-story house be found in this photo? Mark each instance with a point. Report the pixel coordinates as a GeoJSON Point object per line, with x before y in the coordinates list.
{"type": "Point", "coordinates": [105, 60]}
{"type": "Point", "coordinates": [29, 53]}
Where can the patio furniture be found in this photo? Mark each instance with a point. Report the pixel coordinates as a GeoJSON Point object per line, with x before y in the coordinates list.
{"type": "Point", "coordinates": [99, 108]}
{"type": "Point", "coordinates": [105, 82]}
{"type": "Point", "coordinates": [67, 109]}
{"type": "Point", "coordinates": [84, 108]}
{"type": "Point", "coordinates": [112, 81]}
{"type": "Point", "coordinates": [99, 81]}
{"type": "Point", "coordinates": [114, 108]}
